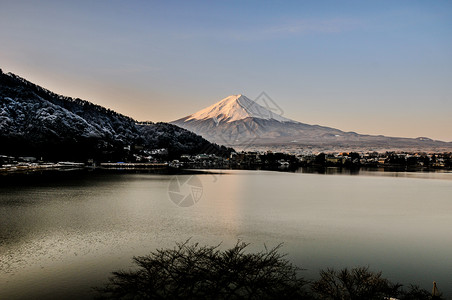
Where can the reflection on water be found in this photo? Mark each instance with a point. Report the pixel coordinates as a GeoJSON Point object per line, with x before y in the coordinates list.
{"type": "Point", "coordinates": [435, 174]}
{"type": "Point", "coordinates": [58, 238]}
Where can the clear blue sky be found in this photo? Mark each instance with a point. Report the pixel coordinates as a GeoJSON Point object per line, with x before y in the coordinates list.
{"type": "Point", "coordinates": [377, 67]}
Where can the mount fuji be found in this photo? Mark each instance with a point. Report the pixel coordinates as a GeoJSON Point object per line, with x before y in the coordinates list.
{"type": "Point", "coordinates": [235, 108]}
{"type": "Point", "coordinates": [240, 122]}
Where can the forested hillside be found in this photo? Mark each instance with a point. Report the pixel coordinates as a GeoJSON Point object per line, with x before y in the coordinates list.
{"type": "Point", "coordinates": [37, 122]}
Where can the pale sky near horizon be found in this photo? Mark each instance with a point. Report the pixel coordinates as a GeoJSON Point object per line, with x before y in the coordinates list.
{"type": "Point", "coordinates": [374, 67]}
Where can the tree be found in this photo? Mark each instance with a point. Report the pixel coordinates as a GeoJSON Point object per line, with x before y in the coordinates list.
{"type": "Point", "coordinates": [320, 159]}
{"type": "Point", "coordinates": [416, 293]}
{"type": "Point", "coordinates": [357, 283]}
{"type": "Point", "coordinates": [191, 271]}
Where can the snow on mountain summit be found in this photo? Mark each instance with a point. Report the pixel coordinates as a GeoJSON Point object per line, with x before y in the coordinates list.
{"type": "Point", "coordinates": [240, 122]}
{"type": "Point", "coordinates": [234, 108]}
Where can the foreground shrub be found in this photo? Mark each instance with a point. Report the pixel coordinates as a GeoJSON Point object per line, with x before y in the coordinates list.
{"type": "Point", "coordinates": [361, 283]}
{"type": "Point", "coordinates": [191, 271]}
{"type": "Point", "coordinates": [357, 283]}
{"type": "Point", "coordinates": [414, 292]}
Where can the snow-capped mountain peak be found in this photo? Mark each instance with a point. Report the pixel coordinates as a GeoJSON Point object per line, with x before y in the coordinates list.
{"type": "Point", "coordinates": [240, 122]}
{"type": "Point", "coordinates": [234, 108]}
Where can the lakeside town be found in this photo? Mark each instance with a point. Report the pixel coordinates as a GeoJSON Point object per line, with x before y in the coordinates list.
{"type": "Point", "coordinates": [158, 159]}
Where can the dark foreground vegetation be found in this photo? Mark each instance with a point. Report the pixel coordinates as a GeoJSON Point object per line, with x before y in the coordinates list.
{"type": "Point", "coordinates": [191, 271]}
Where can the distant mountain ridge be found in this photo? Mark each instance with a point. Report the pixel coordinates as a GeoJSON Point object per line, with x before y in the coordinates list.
{"type": "Point", "coordinates": [237, 121]}
{"type": "Point", "coordinates": [36, 121]}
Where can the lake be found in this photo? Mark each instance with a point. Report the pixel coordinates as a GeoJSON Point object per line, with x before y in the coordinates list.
{"type": "Point", "coordinates": [61, 236]}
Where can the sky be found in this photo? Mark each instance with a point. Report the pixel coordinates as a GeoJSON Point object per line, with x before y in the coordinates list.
{"type": "Point", "coordinates": [373, 67]}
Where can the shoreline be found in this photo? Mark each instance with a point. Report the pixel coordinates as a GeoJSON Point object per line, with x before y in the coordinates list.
{"type": "Point", "coordinates": [58, 172]}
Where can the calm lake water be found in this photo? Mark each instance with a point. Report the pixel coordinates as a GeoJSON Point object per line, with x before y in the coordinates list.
{"type": "Point", "coordinates": [62, 237]}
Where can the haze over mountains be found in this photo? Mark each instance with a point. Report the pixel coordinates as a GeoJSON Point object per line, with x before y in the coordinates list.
{"type": "Point", "coordinates": [240, 122]}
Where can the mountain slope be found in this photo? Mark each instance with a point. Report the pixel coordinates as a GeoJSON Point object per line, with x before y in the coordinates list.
{"type": "Point", "coordinates": [37, 122]}
{"type": "Point", "coordinates": [240, 122]}
{"type": "Point", "coordinates": [234, 108]}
